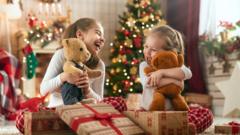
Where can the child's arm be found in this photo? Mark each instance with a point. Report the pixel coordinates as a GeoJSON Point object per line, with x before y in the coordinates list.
{"type": "Point", "coordinates": [166, 81]}
{"type": "Point", "coordinates": [180, 73]}
{"type": "Point", "coordinates": [52, 80]}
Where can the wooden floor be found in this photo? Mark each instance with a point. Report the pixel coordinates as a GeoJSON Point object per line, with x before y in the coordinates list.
{"type": "Point", "coordinates": [10, 129]}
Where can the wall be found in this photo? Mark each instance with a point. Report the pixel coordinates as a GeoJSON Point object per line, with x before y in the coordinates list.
{"type": "Point", "coordinates": [105, 11]}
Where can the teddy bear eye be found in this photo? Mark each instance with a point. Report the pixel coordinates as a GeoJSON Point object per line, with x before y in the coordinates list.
{"type": "Point", "coordinates": [81, 49]}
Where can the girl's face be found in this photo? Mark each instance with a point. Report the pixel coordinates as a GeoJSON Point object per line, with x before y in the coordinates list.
{"type": "Point", "coordinates": [94, 38]}
{"type": "Point", "coordinates": [153, 45]}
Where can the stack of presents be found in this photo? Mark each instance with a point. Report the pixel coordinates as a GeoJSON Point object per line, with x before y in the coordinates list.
{"type": "Point", "coordinates": [104, 119]}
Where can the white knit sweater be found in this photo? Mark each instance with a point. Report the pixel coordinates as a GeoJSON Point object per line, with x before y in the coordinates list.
{"type": "Point", "coordinates": [51, 81]}
{"type": "Point", "coordinates": [147, 93]}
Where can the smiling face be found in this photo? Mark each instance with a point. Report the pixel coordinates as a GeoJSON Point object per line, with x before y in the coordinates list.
{"type": "Point", "coordinates": [94, 38]}
{"type": "Point", "coordinates": [153, 45]}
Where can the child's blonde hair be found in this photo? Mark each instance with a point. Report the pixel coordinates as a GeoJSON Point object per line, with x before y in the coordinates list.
{"type": "Point", "coordinates": [172, 37]}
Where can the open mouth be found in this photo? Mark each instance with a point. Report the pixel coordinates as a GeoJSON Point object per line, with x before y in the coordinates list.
{"type": "Point", "coordinates": [98, 46]}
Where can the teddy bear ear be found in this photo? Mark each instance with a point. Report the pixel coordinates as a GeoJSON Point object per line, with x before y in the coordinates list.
{"type": "Point", "coordinates": [64, 42]}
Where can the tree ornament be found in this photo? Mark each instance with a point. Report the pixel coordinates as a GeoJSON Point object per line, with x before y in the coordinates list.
{"type": "Point", "coordinates": [115, 87]}
{"type": "Point", "coordinates": [128, 45]}
{"type": "Point", "coordinates": [128, 42]}
{"type": "Point", "coordinates": [118, 70]}
{"type": "Point", "coordinates": [126, 33]}
{"type": "Point", "coordinates": [112, 71]}
{"type": "Point", "coordinates": [137, 41]}
{"type": "Point", "coordinates": [130, 21]}
{"type": "Point", "coordinates": [145, 19]}
{"type": "Point", "coordinates": [133, 70]}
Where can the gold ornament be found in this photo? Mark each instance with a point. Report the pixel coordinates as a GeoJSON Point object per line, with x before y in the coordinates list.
{"type": "Point", "coordinates": [145, 19]}
{"type": "Point", "coordinates": [112, 71]}
{"type": "Point", "coordinates": [133, 71]}
{"type": "Point", "coordinates": [114, 60]}
{"type": "Point", "coordinates": [128, 42]}
{"type": "Point", "coordinates": [137, 80]}
{"type": "Point", "coordinates": [130, 21]}
{"type": "Point", "coordinates": [115, 87]}
{"type": "Point", "coordinates": [118, 70]}
{"type": "Point", "coordinates": [122, 57]}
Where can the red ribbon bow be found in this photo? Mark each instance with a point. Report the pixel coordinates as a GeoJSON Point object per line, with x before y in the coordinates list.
{"type": "Point", "coordinates": [104, 118]}
{"type": "Point", "coordinates": [235, 127]}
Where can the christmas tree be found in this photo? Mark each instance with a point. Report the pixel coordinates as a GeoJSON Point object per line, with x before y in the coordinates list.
{"type": "Point", "coordinates": [127, 47]}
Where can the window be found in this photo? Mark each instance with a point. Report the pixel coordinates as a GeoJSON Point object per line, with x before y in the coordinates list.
{"type": "Point", "coordinates": [214, 11]}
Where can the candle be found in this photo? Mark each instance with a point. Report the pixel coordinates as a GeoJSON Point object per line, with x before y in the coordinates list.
{"type": "Point", "coordinates": [46, 9]}
{"type": "Point", "coordinates": [40, 8]}
{"type": "Point", "coordinates": [59, 8]}
{"type": "Point", "coordinates": [53, 7]}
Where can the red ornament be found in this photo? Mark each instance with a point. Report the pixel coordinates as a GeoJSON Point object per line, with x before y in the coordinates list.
{"type": "Point", "coordinates": [128, 51]}
{"type": "Point", "coordinates": [126, 84]}
{"type": "Point", "coordinates": [122, 51]}
{"type": "Point", "coordinates": [126, 33]}
{"type": "Point", "coordinates": [137, 41]}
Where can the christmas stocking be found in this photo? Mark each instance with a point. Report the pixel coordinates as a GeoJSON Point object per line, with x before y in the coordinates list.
{"type": "Point", "coordinates": [31, 61]}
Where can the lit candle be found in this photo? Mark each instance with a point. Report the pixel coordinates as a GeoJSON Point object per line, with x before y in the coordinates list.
{"type": "Point", "coordinates": [40, 8]}
{"type": "Point", "coordinates": [53, 7]}
{"type": "Point", "coordinates": [59, 8]}
{"type": "Point", "coordinates": [46, 9]}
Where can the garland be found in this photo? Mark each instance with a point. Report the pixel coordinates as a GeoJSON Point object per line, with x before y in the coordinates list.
{"type": "Point", "coordinates": [222, 46]}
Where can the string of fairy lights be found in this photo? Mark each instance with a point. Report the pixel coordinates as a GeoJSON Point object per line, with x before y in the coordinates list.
{"type": "Point", "coordinates": [127, 46]}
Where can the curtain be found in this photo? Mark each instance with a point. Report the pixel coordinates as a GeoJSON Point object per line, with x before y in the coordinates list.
{"type": "Point", "coordinates": [183, 15]}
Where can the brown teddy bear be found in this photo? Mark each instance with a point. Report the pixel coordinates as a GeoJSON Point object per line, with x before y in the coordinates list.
{"type": "Point", "coordinates": [76, 55]}
{"type": "Point", "coordinates": [165, 60]}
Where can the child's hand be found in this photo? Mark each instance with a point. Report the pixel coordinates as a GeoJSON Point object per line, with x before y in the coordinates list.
{"type": "Point", "coordinates": [155, 78]}
{"type": "Point", "coordinates": [71, 78]}
{"type": "Point", "coordinates": [79, 79]}
{"type": "Point", "coordinates": [179, 83]}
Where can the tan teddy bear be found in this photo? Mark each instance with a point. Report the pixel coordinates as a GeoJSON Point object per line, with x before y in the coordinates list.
{"type": "Point", "coordinates": [76, 54]}
{"type": "Point", "coordinates": [165, 60]}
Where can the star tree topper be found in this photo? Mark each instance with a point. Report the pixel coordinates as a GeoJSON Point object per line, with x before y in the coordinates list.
{"type": "Point", "coordinates": [231, 91]}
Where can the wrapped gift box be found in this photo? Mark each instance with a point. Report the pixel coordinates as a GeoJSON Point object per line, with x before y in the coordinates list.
{"type": "Point", "coordinates": [201, 99]}
{"type": "Point", "coordinates": [45, 123]}
{"type": "Point", "coordinates": [133, 101]}
{"type": "Point", "coordinates": [161, 122]}
{"type": "Point", "coordinates": [227, 129]}
{"type": "Point", "coordinates": [97, 119]}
